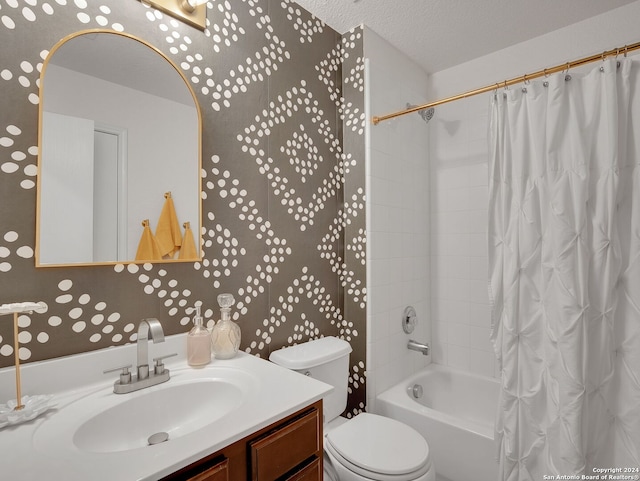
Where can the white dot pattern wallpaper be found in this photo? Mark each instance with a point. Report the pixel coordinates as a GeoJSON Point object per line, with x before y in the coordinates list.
{"type": "Point", "coordinates": [283, 217]}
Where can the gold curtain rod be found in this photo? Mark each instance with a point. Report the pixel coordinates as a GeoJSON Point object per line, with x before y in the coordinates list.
{"type": "Point", "coordinates": [506, 83]}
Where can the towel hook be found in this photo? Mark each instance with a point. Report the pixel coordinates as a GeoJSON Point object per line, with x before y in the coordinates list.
{"type": "Point", "coordinates": [145, 223]}
{"type": "Point", "coordinates": [167, 195]}
{"type": "Point", "coordinates": [187, 225]}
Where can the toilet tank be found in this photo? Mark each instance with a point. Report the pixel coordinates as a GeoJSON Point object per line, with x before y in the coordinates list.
{"type": "Point", "coordinates": [325, 359]}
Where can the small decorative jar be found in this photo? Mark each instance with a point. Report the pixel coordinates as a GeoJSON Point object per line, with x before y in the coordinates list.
{"type": "Point", "coordinates": [225, 338]}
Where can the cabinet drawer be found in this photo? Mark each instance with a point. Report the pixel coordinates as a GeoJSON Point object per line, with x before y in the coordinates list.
{"type": "Point", "coordinates": [219, 472]}
{"type": "Point", "coordinates": [311, 472]}
{"type": "Point", "coordinates": [282, 450]}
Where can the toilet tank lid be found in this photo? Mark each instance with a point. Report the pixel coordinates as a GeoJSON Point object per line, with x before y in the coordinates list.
{"type": "Point", "coordinates": [311, 354]}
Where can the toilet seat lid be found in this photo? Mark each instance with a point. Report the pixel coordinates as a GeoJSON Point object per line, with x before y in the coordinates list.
{"type": "Point", "coordinates": [380, 445]}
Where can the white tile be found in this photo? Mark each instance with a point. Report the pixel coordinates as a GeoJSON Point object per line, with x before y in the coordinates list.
{"type": "Point", "coordinates": [476, 222]}
{"type": "Point", "coordinates": [478, 173]}
{"type": "Point", "coordinates": [379, 218]}
{"type": "Point", "coordinates": [394, 293]}
{"type": "Point", "coordinates": [377, 326]}
{"type": "Point", "coordinates": [455, 289]}
{"type": "Point", "coordinates": [480, 314]}
{"type": "Point", "coordinates": [479, 149]}
{"type": "Point", "coordinates": [378, 300]}
{"type": "Point", "coordinates": [478, 126]}
{"type": "Point", "coordinates": [379, 272]}
{"type": "Point", "coordinates": [458, 334]}
{"type": "Point", "coordinates": [439, 332]}
{"type": "Point", "coordinates": [394, 320]}
{"type": "Point", "coordinates": [478, 268]}
{"type": "Point", "coordinates": [439, 351]}
{"type": "Point", "coordinates": [380, 164]}
{"type": "Point", "coordinates": [379, 192]}
{"type": "Point", "coordinates": [477, 245]}
{"type": "Point", "coordinates": [481, 362]}
{"type": "Point", "coordinates": [458, 356]}
{"type": "Point", "coordinates": [478, 291]}
{"type": "Point", "coordinates": [477, 197]}
{"type": "Point", "coordinates": [479, 338]}
{"type": "Point", "coordinates": [380, 352]}
{"type": "Point", "coordinates": [396, 240]}
{"type": "Point", "coordinates": [458, 267]}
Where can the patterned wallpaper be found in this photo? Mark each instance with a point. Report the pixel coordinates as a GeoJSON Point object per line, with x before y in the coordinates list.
{"type": "Point", "coordinates": [282, 102]}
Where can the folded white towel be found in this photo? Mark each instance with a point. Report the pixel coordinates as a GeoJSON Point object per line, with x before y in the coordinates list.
{"type": "Point", "coordinates": [22, 307]}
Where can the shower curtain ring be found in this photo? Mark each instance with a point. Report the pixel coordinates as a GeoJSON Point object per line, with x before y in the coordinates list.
{"type": "Point", "coordinates": [626, 48]}
{"type": "Point", "coordinates": [525, 81]}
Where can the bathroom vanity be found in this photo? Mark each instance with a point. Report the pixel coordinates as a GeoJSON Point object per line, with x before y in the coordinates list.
{"type": "Point", "coordinates": [290, 449]}
{"type": "Point", "coordinates": [236, 419]}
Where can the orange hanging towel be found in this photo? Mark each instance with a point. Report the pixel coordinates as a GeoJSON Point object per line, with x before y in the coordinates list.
{"type": "Point", "coordinates": [148, 248]}
{"type": "Point", "coordinates": [188, 249]}
{"type": "Point", "coordinates": [168, 229]}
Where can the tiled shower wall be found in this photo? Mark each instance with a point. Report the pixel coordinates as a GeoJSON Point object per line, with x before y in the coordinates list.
{"type": "Point", "coordinates": [397, 216]}
{"type": "Point", "coordinates": [289, 245]}
{"type": "Point", "coordinates": [458, 158]}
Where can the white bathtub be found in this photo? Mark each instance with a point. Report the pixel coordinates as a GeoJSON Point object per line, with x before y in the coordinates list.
{"type": "Point", "coordinates": [456, 416]}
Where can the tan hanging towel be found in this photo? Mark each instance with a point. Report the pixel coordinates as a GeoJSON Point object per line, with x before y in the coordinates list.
{"type": "Point", "coordinates": [168, 230]}
{"type": "Point", "coordinates": [148, 248]}
{"type": "Point", "coordinates": [188, 249]}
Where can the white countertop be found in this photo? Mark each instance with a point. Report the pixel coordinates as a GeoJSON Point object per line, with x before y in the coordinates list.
{"type": "Point", "coordinates": [28, 455]}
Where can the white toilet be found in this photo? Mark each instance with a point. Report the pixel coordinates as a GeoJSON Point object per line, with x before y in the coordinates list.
{"type": "Point", "coordinates": [366, 447]}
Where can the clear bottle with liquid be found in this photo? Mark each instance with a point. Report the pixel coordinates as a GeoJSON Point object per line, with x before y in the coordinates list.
{"type": "Point", "coordinates": [198, 342]}
{"type": "Point", "coordinates": [225, 338]}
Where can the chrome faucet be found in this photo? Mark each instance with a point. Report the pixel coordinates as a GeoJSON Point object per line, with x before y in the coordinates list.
{"type": "Point", "coordinates": [419, 346]}
{"type": "Point", "coordinates": [128, 382]}
{"type": "Point", "coordinates": [145, 328]}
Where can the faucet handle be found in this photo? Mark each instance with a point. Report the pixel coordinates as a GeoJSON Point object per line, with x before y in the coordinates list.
{"type": "Point", "coordinates": [158, 368]}
{"type": "Point", "coordinates": [125, 375]}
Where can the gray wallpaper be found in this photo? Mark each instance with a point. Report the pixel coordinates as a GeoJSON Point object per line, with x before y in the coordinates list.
{"type": "Point", "coordinates": [283, 183]}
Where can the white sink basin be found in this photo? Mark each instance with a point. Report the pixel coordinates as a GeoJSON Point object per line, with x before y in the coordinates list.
{"type": "Point", "coordinates": [104, 422]}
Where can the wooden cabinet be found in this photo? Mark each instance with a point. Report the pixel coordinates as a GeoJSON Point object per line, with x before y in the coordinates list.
{"type": "Point", "coordinates": [288, 450]}
{"type": "Point", "coordinates": [217, 472]}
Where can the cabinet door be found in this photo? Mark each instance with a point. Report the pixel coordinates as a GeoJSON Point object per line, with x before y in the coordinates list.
{"type": "Point", "coordinates": [280, 451]}
{"type": "Point", "coordinates": [219, 472]}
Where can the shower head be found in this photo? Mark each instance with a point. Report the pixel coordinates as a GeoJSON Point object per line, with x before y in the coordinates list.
{"type": "Point", "coordinates": [426, 114]}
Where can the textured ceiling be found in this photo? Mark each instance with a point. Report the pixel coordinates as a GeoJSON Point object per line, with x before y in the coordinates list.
{"type": "Point", "coordinates": [438, 34]}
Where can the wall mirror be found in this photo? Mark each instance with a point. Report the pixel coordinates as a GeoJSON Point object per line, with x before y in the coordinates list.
{"type": "Point", "coordinates": [119, 128]}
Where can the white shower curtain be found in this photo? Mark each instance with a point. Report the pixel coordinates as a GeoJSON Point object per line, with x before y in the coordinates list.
{"type": "Point", "coordinates": [564, 257]}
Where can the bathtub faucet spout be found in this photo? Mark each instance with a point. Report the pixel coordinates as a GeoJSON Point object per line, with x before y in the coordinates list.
{"type": "Point", "coordinates": [419, 346]}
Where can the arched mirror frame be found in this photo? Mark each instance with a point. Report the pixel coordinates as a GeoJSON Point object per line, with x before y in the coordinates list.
{"type": "Point", "coordinates": [197, 235]}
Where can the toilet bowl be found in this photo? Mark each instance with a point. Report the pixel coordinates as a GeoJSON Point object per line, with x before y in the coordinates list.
{"type": "Point", "coordinates": [372, 447]}
{"type": "Point", "coordinates": [366, 447]}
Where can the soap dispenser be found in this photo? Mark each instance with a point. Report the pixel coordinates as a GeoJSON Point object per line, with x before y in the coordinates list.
{"type": "Point", "coordinates": [225, 338]}
{"type": "Point", "coordinates": [198, 342]}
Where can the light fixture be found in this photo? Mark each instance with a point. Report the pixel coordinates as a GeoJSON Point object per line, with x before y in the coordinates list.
{"type": "Point", "coordinates": [192, 12]}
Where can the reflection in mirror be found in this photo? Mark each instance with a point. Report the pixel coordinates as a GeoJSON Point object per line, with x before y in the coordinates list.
{"type": "Point", "coordinates": [119, 128]}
